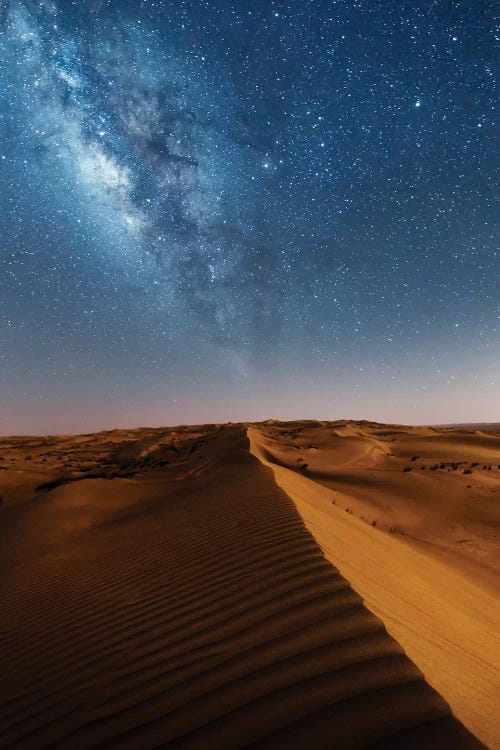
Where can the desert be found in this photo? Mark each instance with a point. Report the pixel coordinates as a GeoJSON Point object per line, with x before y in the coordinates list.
{"type": "Point", "coordinates": [276, 584]}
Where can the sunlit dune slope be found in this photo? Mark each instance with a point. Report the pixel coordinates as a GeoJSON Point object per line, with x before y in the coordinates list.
{"type": "Point", "coordinates": [396, 536]}
{"type": "Point", "coordinates": [183, 603]}
{"type": "Point", "coordinates": [439, 486]}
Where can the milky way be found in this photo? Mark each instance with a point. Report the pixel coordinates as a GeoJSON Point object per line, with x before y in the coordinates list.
{"type": "Point", "coordinates": [283, 205]}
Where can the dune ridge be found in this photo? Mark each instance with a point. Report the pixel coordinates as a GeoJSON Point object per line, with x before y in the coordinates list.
{"type": "Point", "coordinates": [184, 604]}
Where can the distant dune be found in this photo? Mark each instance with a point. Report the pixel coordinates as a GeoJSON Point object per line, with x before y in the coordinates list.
{"type": "Point", "coordinates": [203, 586]}
{"type": "Point", "coordinates": [481, 426]}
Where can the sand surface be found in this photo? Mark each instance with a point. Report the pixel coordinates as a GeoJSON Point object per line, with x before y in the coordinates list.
{"type": "Point", "coordinates": [159, 589]}
{"type": "Point", "coordinates": [421, 547]}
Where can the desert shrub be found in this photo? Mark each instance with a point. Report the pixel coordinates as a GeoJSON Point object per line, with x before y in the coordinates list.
{"type": "Point", "coordinates": [407, 468]}
{"type": "Point", "coordinates": [467, 471]}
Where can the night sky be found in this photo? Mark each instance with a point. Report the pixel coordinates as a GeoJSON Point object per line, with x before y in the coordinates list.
{"type": "Point", "coordinates": [221, 210]}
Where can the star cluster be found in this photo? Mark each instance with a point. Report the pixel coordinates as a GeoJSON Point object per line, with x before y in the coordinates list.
{"type": "Point", "coordinates": [226, 205]}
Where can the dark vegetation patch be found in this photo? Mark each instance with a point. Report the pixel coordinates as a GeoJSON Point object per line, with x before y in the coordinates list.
{"type": "Point", "coordinates": [59, 481]}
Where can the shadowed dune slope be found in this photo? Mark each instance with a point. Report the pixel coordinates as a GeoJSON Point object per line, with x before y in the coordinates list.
{"type": "Point", "coordinates": [189, 607]}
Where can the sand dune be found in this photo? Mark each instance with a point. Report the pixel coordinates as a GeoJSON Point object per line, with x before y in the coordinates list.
{"type": "Point", "coordinates": [437, 486]}
{"type": "Point", "coordinates": [158, 589]}
{"type": "Point", "coordinates": [437, 596]}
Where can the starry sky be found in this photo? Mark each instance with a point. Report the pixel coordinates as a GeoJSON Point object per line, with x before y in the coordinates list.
{"type": "Point", "coordinates": [225, 210]}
